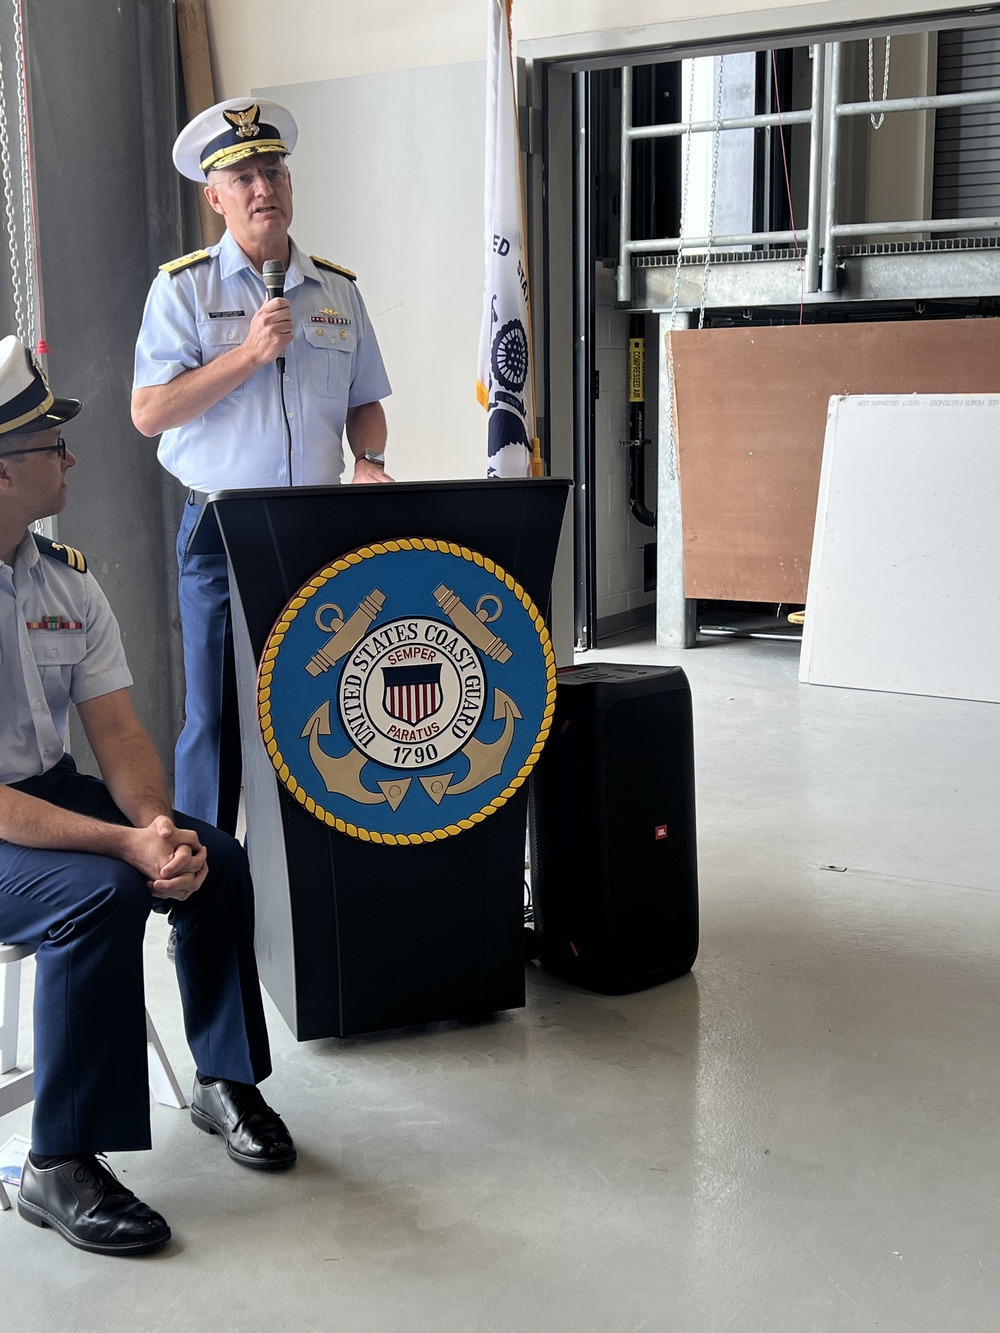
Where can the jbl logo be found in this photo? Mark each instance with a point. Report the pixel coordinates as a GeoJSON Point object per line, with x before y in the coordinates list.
{"type": "Point", "coordinates": [660, 832]}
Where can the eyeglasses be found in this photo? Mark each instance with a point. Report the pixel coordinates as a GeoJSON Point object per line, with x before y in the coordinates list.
{"type": "Point", "coordinates": [58, 448]}
{"type": "Point", "coordinates": [241, 181]}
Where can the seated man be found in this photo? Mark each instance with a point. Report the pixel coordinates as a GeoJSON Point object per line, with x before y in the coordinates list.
{"type": "Point", "coordinates": [83, 862]}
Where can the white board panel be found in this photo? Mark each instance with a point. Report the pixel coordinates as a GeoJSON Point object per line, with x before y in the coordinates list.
{"type": "Point", "coordinates": [904, 585]}
{"type": "Point", "coordinates": [388, 180]}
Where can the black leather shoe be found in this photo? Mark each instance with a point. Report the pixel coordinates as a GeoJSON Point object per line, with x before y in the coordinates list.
{"type": "Point", "coordinates": [89, 1207]}
{"type": "Point", "coordinates": [254, 1134]}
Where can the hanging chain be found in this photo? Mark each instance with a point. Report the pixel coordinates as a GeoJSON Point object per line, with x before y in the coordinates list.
{"type": "Point", "coordinates": [715, 180]}
{"type": "Point", "coordinates": [8, 198]}
{"type": "Point", "coordinates": [32, 320]}
{"type": "Point", "coordinates": [686, 177]}
{"type": "Point", "coordinates": [877, 124]}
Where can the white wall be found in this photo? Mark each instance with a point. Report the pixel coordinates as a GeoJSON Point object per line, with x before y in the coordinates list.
{"type": "Point", "coordinates": [266, 42]}
{"type": "Point", "coordinates": [388, 181]}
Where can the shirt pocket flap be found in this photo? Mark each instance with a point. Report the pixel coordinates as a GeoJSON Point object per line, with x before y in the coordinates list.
{"type": "Point", "coordinates": [58, 647]}
{"type": "Point", "coordinates": [330, 337]}
{"type": "Point", "coordinates": [223, 332]}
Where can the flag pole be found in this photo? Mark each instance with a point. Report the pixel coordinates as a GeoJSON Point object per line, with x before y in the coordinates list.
{"type": "Point", "coordinates": [537, 465]}
{"type": "Point", "coordinates": [505, 382]}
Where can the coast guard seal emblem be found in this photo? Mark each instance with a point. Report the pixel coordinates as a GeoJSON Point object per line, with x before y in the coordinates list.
{"type": "Point", "coordinates": [406, 691]}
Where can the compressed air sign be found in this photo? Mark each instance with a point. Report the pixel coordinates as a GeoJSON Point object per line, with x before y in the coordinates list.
{"type": "Point", "coordinates": [406, 691]}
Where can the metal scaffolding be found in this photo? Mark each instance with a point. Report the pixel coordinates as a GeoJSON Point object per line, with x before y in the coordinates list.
{"type": "Point", "coordinates": [822, 231]}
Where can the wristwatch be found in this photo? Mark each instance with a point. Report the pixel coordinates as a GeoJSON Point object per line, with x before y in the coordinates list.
{"type": "Point", "coordinates": [372, 456]}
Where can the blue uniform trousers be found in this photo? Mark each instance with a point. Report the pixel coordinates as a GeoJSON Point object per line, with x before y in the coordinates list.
{"type": "Point", "coordinates": [86, 916]}
{"type": "Point", "coordinates": [207, 759]}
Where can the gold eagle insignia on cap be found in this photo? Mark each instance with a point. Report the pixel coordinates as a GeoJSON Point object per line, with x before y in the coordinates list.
{"type": "Point", "coordinates": [245, 122]}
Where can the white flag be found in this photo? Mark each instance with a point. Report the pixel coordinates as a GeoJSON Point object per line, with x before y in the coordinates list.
{"type": "Point", "coordinates": [505, 385]}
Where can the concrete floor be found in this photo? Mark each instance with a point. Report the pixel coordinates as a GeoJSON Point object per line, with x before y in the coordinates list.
{"type": "Point", "coordinates": [802, 1135]}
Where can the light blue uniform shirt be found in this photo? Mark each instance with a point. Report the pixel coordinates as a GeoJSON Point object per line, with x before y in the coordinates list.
{"type": "Point", "coordinates": [332, 363]}
{"type": "Point", "coordinates": [43, 670]}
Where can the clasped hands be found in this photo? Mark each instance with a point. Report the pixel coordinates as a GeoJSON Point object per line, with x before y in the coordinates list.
{"type": "Point", "coordinates": [173, 860]}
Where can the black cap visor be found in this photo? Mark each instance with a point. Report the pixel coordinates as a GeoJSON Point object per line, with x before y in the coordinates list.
{"type": "Point", "coordinates": [62, 410]}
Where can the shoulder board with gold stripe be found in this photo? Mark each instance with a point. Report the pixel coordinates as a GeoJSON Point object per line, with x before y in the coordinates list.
{"type": "Point", "coordinates": [185, 261]}
{"type": "Point", "coordinates": [69, 555]}
{"type": "Point", "coordinates": [328, 263]}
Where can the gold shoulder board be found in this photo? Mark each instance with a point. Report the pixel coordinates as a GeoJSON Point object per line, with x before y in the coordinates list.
{"type": "Point", "coordinates": [328, 263]}
{"type": "Point", "coordinates": [69, 555]}
{"type": "Point", "coordinates": [185, 261]}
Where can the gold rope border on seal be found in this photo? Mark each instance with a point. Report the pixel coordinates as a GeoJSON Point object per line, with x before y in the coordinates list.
{"type": "Point", "coordinates": [266, 671]}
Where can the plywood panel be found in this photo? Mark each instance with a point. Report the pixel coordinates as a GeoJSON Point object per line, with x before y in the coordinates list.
{"type": "Point", "coordinates": [751, 412]}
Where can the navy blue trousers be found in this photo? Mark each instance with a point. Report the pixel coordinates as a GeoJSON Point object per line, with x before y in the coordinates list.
{"type": "Point", "coordinates": [86, 916]}
{"type": "Point", "coordinates": [207, 759]}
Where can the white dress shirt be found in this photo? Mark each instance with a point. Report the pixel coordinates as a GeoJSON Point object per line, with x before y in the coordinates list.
{"type": "Point", "coordinates": [79, 656]}
{"type": "Point", "coordinates": [332, 363]}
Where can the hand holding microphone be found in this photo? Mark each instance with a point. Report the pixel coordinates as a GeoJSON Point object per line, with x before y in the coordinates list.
{"type": "Point", "coordinates": [271, 327]}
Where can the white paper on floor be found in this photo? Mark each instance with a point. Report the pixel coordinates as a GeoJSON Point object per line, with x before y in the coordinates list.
{"type": "Point", "coordinates": [12, 1158]}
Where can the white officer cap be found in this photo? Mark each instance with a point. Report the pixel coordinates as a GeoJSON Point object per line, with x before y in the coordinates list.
{"type": "Point", "coordinates": [230, 131]}
{"type": "Point", "coordinates": [26, 401]}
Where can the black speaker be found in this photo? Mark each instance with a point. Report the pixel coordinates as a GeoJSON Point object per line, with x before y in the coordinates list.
{"type": "Point", "coordinates": [613, 854]}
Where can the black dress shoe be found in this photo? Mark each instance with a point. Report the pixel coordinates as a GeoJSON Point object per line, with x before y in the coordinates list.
{"type": "Point", "coordinates": [89, 1207]}
{"type": "Point", "coordinates": [254, 1134]}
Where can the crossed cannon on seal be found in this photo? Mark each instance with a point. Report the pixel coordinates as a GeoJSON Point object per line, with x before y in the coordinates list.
{"type": "Point", "coordinates": [342, 774]}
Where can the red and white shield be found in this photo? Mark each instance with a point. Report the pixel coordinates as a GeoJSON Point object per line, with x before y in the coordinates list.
{"type": "Point", "coordinates": [411, 693]}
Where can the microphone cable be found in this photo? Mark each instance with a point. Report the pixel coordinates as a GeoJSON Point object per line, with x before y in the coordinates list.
{"type": "Point", "coordinates": [284, 413]}
{"type": "Point", "coordinates": [273, 273]}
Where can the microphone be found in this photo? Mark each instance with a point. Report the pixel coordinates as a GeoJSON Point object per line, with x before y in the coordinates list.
{"type": "Point", "coordinates": [274, 281]}
{"type": "Point", "coordinates": [274, 277]}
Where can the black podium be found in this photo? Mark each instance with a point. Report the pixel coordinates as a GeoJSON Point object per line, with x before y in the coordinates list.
{"type": "Point", "coordinates": [353, 936]}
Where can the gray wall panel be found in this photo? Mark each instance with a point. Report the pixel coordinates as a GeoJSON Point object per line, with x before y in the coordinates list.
{"type": "Point", "coordinates": [103, 86]}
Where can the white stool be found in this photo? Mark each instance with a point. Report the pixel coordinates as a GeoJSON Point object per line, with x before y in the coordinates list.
{"type": "Point", "coordinates": [20, 1090]}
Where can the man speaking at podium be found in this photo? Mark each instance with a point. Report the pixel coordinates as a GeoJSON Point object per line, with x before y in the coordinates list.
{"type": "Point", "coordinates": [252, 361]}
